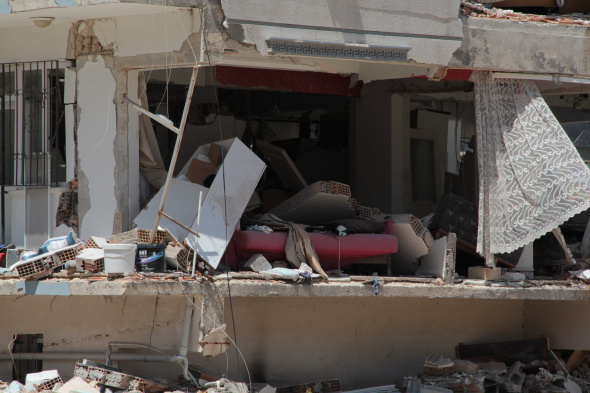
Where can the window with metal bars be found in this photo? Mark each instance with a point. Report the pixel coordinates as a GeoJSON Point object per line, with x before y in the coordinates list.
{"type": "Point", "coordinates": [32, 124]}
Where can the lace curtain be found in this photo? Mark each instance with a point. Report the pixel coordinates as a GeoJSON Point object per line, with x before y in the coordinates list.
{"type": "Point", "coordinates": [531, 177]}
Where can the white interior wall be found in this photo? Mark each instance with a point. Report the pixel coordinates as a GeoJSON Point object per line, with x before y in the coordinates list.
{"type": "Point", "coordinates": [33, 43]}
{"type": "Point", "coordinates": [96, 132]}
{"type": "Point", "coordinates": [35, 214]}
{"type": "Point", "coordinates": [141, 34]}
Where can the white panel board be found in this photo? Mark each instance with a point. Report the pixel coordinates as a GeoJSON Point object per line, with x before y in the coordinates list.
{"type": "Point", "coordinates": [182, 204]}
{"type": "Point", "coordinates": [226, 200]}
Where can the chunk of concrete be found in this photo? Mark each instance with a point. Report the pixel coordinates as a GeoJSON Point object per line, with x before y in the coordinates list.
{"type": "Point", "coordinates": [465, 366]}
{"type": "Point", "coordinates": [44, 380]}
{"type": "Point", "coordinates": [281, 163]}
{"type": "Point", "coordinates": [258, 263]}
{"type": "Point", "coordinates": [433, 263]}
{"type": "Point", "coordinates": [214, 342]}
{"type": "Point", "coordinates": [317, 204]}
{"type": "Point", "coordinates": [414, 241]}
{"type": "Point", "coordinates": [77, 384]}
{"type": "Point", "coordinates": [514, 276]}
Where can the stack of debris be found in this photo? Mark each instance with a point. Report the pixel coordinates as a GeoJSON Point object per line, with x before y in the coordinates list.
{"type": "Point", "coordinates": [501, 370]}
{"type": "Point", "coordinates": [476, 9]}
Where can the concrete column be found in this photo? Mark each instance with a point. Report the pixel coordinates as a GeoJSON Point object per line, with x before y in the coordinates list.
{"type": "Point", "coordinates": [97, 141]}
{"type": "Point", "coordinates": [382, 149]}
{"type": "Point", "coordinates": [133, 147]}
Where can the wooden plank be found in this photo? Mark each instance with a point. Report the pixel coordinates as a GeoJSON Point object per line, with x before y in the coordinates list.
{"type": "Point", "coordinates": [575, 359]}
{"type": "Point", "coordinates": [502, 350]}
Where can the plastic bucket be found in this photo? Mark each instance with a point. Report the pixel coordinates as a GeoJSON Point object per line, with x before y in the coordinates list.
{"type": "Point", "coordinates": [151, 257]}
{"type": "Point", "coordinates": [119, 258]}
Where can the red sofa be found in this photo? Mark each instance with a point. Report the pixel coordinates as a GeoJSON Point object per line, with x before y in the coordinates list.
{"type": "Point", "coordinates": [330, 248]}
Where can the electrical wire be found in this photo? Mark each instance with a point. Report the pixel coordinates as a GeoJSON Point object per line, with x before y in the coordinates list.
{"type": "Point", "coordinates": [14, 363]}
{"type": "Point", "coordinates": [223, 179]}
{"type": "Point", "coordinates": [217, 116]}
{"type": "Point", "coordinates": [238, 351]}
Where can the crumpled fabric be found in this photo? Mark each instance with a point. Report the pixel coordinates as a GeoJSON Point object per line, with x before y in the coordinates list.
{"type": "Point", "coordinates": [531, 177]}
{"type": "Point", "coordinates": [298, 249]}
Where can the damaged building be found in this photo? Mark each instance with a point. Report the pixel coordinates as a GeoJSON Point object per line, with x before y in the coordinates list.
{"type": "Point", "coordinates": [316, 196]}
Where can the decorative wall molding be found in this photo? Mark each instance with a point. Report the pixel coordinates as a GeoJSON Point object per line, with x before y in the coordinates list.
{"type": "Point", "coordinates": [336, 50]}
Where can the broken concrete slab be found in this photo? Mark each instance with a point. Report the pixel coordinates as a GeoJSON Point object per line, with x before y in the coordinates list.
{"type": "Point", "coordinates": [465, 366]}
{"type": "Point", "coordinates": [258, 263]}
{"type": "Point", "coordinates": [77, 384]}
{"type": "Point", "coordinates": [44, 380]}
{"type": "Point", "coordinates": [226, 200]}
{"type": "Point", "coordinates": [317, 204]}
{"type": "Point", "coordinates": [414, 241]}
{"type": "Point", "coordinates": [281, 163]}
{"type": "Point", "coordinates": [214, 342]}
{"type": "Point", "coordinates": [433, 263]}
{"type": "Point", "coordinates": [182, 204]}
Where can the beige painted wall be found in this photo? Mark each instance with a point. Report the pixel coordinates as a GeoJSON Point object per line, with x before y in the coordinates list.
{"type": "Point", "coordinates": [363, 342]}
{"type": "Point", "coordinates": [565, 323]}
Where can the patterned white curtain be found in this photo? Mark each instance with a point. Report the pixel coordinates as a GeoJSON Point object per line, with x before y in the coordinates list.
{"type": "Point", "coordinates": [531, 177]}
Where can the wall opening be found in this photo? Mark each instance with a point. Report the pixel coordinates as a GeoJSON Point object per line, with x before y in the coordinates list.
{"type": "Point", "coordinates": [26, 343]}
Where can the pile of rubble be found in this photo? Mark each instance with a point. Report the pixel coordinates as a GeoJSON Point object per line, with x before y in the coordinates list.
{"type": "Point", "coordinates": [300, 232]}
{"type": "Point", "coordinates": [475, 9]}
{"type": "Point", "coordinates": [529, 366]}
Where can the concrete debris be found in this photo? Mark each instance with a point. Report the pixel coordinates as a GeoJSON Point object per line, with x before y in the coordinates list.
{"type": "Point", "coordinates": [475, 9]}
{"type": "Point", "coordinates": [465, 366]}
{"type": "Point", "coordinates": [77, 384]}
{"type": "Point", "coordinates": [281, 163]}
{"type": "Point", "coordinates": [214, 342]}
{"type": "Point", "coordinates": [377, 389]}
{"type": "Point", "coordinates": [514, 276]}
{"type": "Point", "coordinates": [317, 204]}
{"type": "Point", "coordinates": [329, 386]}
{"type": "Point", "coordinates": [414, 241]}
{"type": "Point", "coordinates": [45, 380]}
{"type": "Point", "coordinates": [484, 273]}
{"type": "Point", "coordinates": [438, 365]}
{"type": "Point", "coordinates": [258, 263]}
{"type": "Point", "coordinates": [115, 378]}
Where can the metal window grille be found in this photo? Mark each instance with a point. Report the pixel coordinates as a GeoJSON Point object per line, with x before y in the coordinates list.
{"type": "Point", "coordinates": [32, 123]}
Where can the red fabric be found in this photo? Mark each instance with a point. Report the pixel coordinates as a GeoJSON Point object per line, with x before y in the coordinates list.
{"type": "Point", "coordinates": [453, 74]}
{"type": "Point", "coordinates": [351, 248]}
{"type": "Point", "coordinates": [294, 81]}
